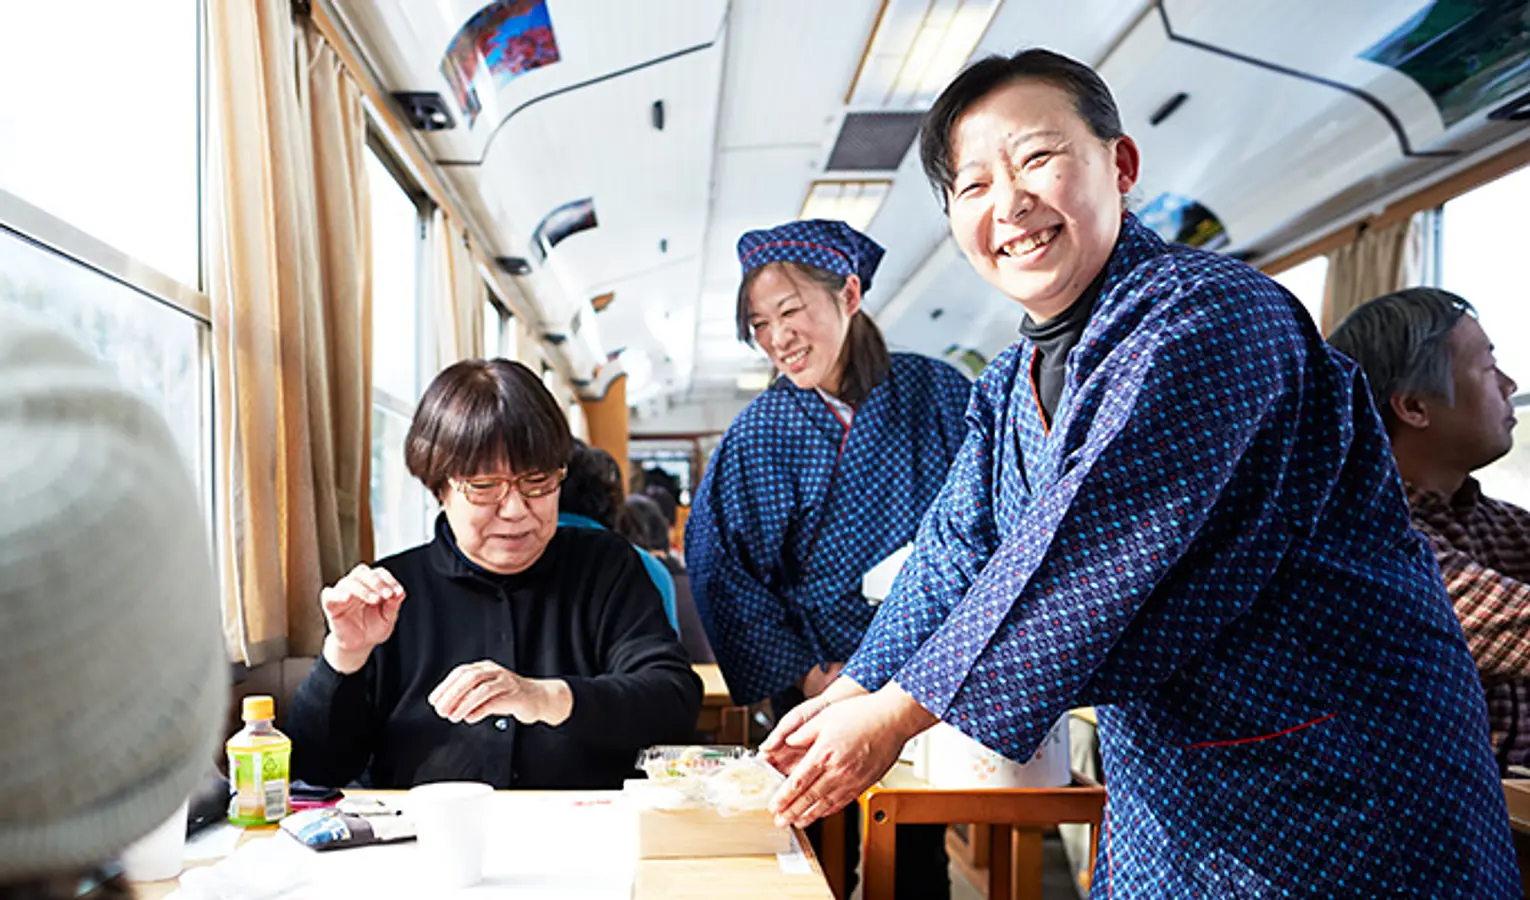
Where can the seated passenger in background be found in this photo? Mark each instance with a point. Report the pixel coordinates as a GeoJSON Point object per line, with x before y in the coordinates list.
{"type": "Point", "coordinates": [592, 497]}
{"type": "Point", "coordinates": [113, 673]}
{"type": "Point", "coordinates": [668, 507]}
{"type": "Point", "coordinates": [1446, 408]}
{"type": "Point", "coordinates": [643, 521]}
{"type": "Point", "coordinates": [506, 650]}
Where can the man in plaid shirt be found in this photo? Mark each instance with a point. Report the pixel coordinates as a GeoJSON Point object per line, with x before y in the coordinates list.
{"type": "Point", "coordinates": [1446, 407]}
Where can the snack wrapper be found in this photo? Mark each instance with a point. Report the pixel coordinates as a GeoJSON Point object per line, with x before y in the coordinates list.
{"type": "Point", "coordinates": [731, 780]}
{"type": "Point", "coordinates": [328, 828]}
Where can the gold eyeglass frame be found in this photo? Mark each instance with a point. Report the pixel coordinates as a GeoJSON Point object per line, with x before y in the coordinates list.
{"type": "Point", "coordinates": [518, 483]}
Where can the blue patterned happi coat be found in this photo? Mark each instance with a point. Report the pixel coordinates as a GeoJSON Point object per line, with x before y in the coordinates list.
{"type": "Point", "coordinates": [1211, 544]}
{"type": "Point", "coordinates": [795, 508]}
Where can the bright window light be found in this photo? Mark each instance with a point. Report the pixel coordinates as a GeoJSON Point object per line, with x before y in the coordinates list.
{"type": "Point", "coordinates": [1306, 281]}
{"type": "Point", "coordinates": [98, 122]}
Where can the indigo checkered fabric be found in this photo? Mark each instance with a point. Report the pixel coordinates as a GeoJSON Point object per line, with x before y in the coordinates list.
{"type": "Point", "coordinates": [794, 509]}
{"type": "Point", "coordinates": [1483, 548]}
{"type": "Point", "coordinates": [1211, 545]}
{"type": "Point", "coordinates": [827, 244]}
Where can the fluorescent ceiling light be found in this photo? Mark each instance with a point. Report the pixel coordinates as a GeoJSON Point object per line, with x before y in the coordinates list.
{"type": "Point", "coordinates": [917, 48]}
{"type": "Point", "coordinates": [853, 202]}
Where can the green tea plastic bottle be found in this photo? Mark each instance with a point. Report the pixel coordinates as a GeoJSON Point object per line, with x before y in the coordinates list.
{"type": "Point", "coordinates": [258, 760]}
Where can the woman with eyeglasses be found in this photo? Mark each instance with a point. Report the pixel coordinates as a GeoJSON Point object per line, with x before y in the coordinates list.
{"type": "Point", "coordinates": [506, 650]}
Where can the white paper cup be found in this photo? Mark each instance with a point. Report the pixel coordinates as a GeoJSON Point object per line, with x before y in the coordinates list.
{"type": "Point", "coordinates": [158, 855]}
{"type": "Point", "coordinates": [452, 823]}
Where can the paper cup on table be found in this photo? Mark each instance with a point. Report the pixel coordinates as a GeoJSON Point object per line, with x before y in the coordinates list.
{"type": "Point", "coordinates": [451, 821]}
{"type": "Point", "coordinates": [957, 761]}
{"type": "Point", "coordinates": [158, 855]}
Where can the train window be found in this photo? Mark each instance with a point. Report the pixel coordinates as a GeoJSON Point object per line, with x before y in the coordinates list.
{"type": "Point", "coordinates": [1482, 250]}
{"type": "Point", "coordinates": [395, 288]}
{"type": "Point", "coordinates": [400, 505]}
{"type": "Point", "coordinates": [98, 123]}
{"type": "Point", "coordinates": [1482, 245]}
{"type": "Point", "coordinates": [155, 348]}
{"type": "Point", "coordinates": [493, 330]}
{"type": "Point", "coordinates": [1306, 282]}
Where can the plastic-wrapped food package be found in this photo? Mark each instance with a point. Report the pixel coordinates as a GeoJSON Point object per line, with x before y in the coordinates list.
{"type": "Point", "coordinates": [705, 800]}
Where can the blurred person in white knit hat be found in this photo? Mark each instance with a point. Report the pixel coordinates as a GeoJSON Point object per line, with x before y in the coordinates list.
{"type": "Point", "coordinates": [113, 678]}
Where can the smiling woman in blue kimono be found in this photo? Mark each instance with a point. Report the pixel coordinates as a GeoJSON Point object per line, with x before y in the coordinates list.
{"type": "Point", "coordinates": [1176, 504]}
{"type": "Point", "coordinates": [822, 476]}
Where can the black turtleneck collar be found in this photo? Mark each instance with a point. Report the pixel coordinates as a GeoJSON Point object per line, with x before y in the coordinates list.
{"type": "Point", "coordinates": [448, 559]}
{"type": "Point", "coordinates": [1054, 338]}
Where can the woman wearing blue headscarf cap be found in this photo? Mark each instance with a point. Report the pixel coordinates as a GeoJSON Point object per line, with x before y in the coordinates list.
{"type": "Point", "coordinates": [824, 475]}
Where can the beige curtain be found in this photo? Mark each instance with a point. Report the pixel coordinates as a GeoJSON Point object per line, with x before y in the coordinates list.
{"type": "Point", "coordinates": [288, 273]}
{"type": "Point", "coordinates": [1375, 263]}
{"type": "Point", "coordinates": [459, 294]}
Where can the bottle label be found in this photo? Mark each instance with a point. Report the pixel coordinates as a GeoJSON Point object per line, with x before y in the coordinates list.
{"type": "Point", "coordinates": [260, 785]}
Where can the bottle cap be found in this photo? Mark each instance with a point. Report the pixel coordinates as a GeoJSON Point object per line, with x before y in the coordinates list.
{"type": "Point", "coordinates": [259, 706]}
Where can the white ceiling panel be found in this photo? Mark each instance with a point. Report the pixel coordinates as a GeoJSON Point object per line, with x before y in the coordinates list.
{"type": "Point", "coordinates": [790, 63]}
{"type": "Point", "coordinates": [648, 186]}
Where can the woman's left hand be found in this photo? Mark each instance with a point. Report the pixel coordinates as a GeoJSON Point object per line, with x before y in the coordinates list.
{"type": "Point", "coordinates": [475, 691]}
{"type": "Point", "coordinates": [846, 747]}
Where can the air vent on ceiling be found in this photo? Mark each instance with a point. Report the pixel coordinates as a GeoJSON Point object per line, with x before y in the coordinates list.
{"type": "Point", "coordinates": [873, 141]}
{"type": "Point", "coordinates": [514, 265]}
{"type": "Point", "coordinates": [425, 111]}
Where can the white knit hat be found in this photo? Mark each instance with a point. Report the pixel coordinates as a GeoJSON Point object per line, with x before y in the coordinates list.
{"type": "Point", "coordinates": [113, 677]}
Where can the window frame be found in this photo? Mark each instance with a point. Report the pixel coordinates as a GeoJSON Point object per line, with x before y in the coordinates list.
{"type": "Point", "coordinates": [32, 225]}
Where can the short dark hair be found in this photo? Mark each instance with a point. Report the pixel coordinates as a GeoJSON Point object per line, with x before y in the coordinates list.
{"type": "Point", "coordinates": [1093, 100]}
{"type": "Point", "coordinates": [659, 478]}
{"type": "Point", "coordinates": [664, 499]}
{"type": "Point", "coordinates": [479, 414]}
{"type": "Point", "coordinates": [1401, 342]}
{"type": "Point", "coordinates": [593, 488]}
{"type": "Point", "coordinates": [641, 522]}
{"type": "Point", "coordinates": [863, 360]}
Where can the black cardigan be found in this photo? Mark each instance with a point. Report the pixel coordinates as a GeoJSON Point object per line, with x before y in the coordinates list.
{"type": "Point", "coordinates": [585, 612]}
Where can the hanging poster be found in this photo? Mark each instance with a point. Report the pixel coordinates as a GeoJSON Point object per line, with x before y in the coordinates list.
{"type": "Point", "coordinates": [508, 38]}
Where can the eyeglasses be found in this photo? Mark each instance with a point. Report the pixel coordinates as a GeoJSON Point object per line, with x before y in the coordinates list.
{"type": "Point", "coordinates": [492, 490]}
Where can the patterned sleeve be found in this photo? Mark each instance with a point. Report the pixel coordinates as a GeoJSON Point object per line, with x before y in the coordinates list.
{"type": "Point", "coordinates": [1494, 609]}
{"type": "Point", "coordinates": [1189, 445]}
{"type": "Point", "coordinates": [955, 539]}
{"type": "Point", "coordinates": [733, 539]}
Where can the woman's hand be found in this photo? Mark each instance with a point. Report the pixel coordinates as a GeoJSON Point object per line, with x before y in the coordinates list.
{"type": "Point", "coordinates": [818, 678]}
{"type": "Point", "coordinates": [361, 610]}
{"type": "Point", "coordinates": [783, 756]}
{"type": "Point", "coordinates": [845, 746]}
{"type": "Point", "coordinates": [475, 691]}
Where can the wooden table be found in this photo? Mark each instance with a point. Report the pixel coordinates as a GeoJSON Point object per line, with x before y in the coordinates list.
{"type": "Point", "coordinates": [718, 713]}
{"type": "Point", "coordinates": [1516, 793]}
{"type": "Point", "coordinates": [1016, 818]}
{"type": "Point", "coordinates": [738, 877]}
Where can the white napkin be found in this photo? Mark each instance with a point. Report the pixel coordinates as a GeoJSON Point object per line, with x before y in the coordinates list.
{"type": "Point", "coordinates": [270, 869]}
{"type": "Point", "coordinates": [878, 582]}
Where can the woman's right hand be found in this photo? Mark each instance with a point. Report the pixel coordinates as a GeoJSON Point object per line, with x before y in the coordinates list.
{"type": "Point", "coordinates": [776, 750]}
{"type": "Point", "coordinates": [361, 610]}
